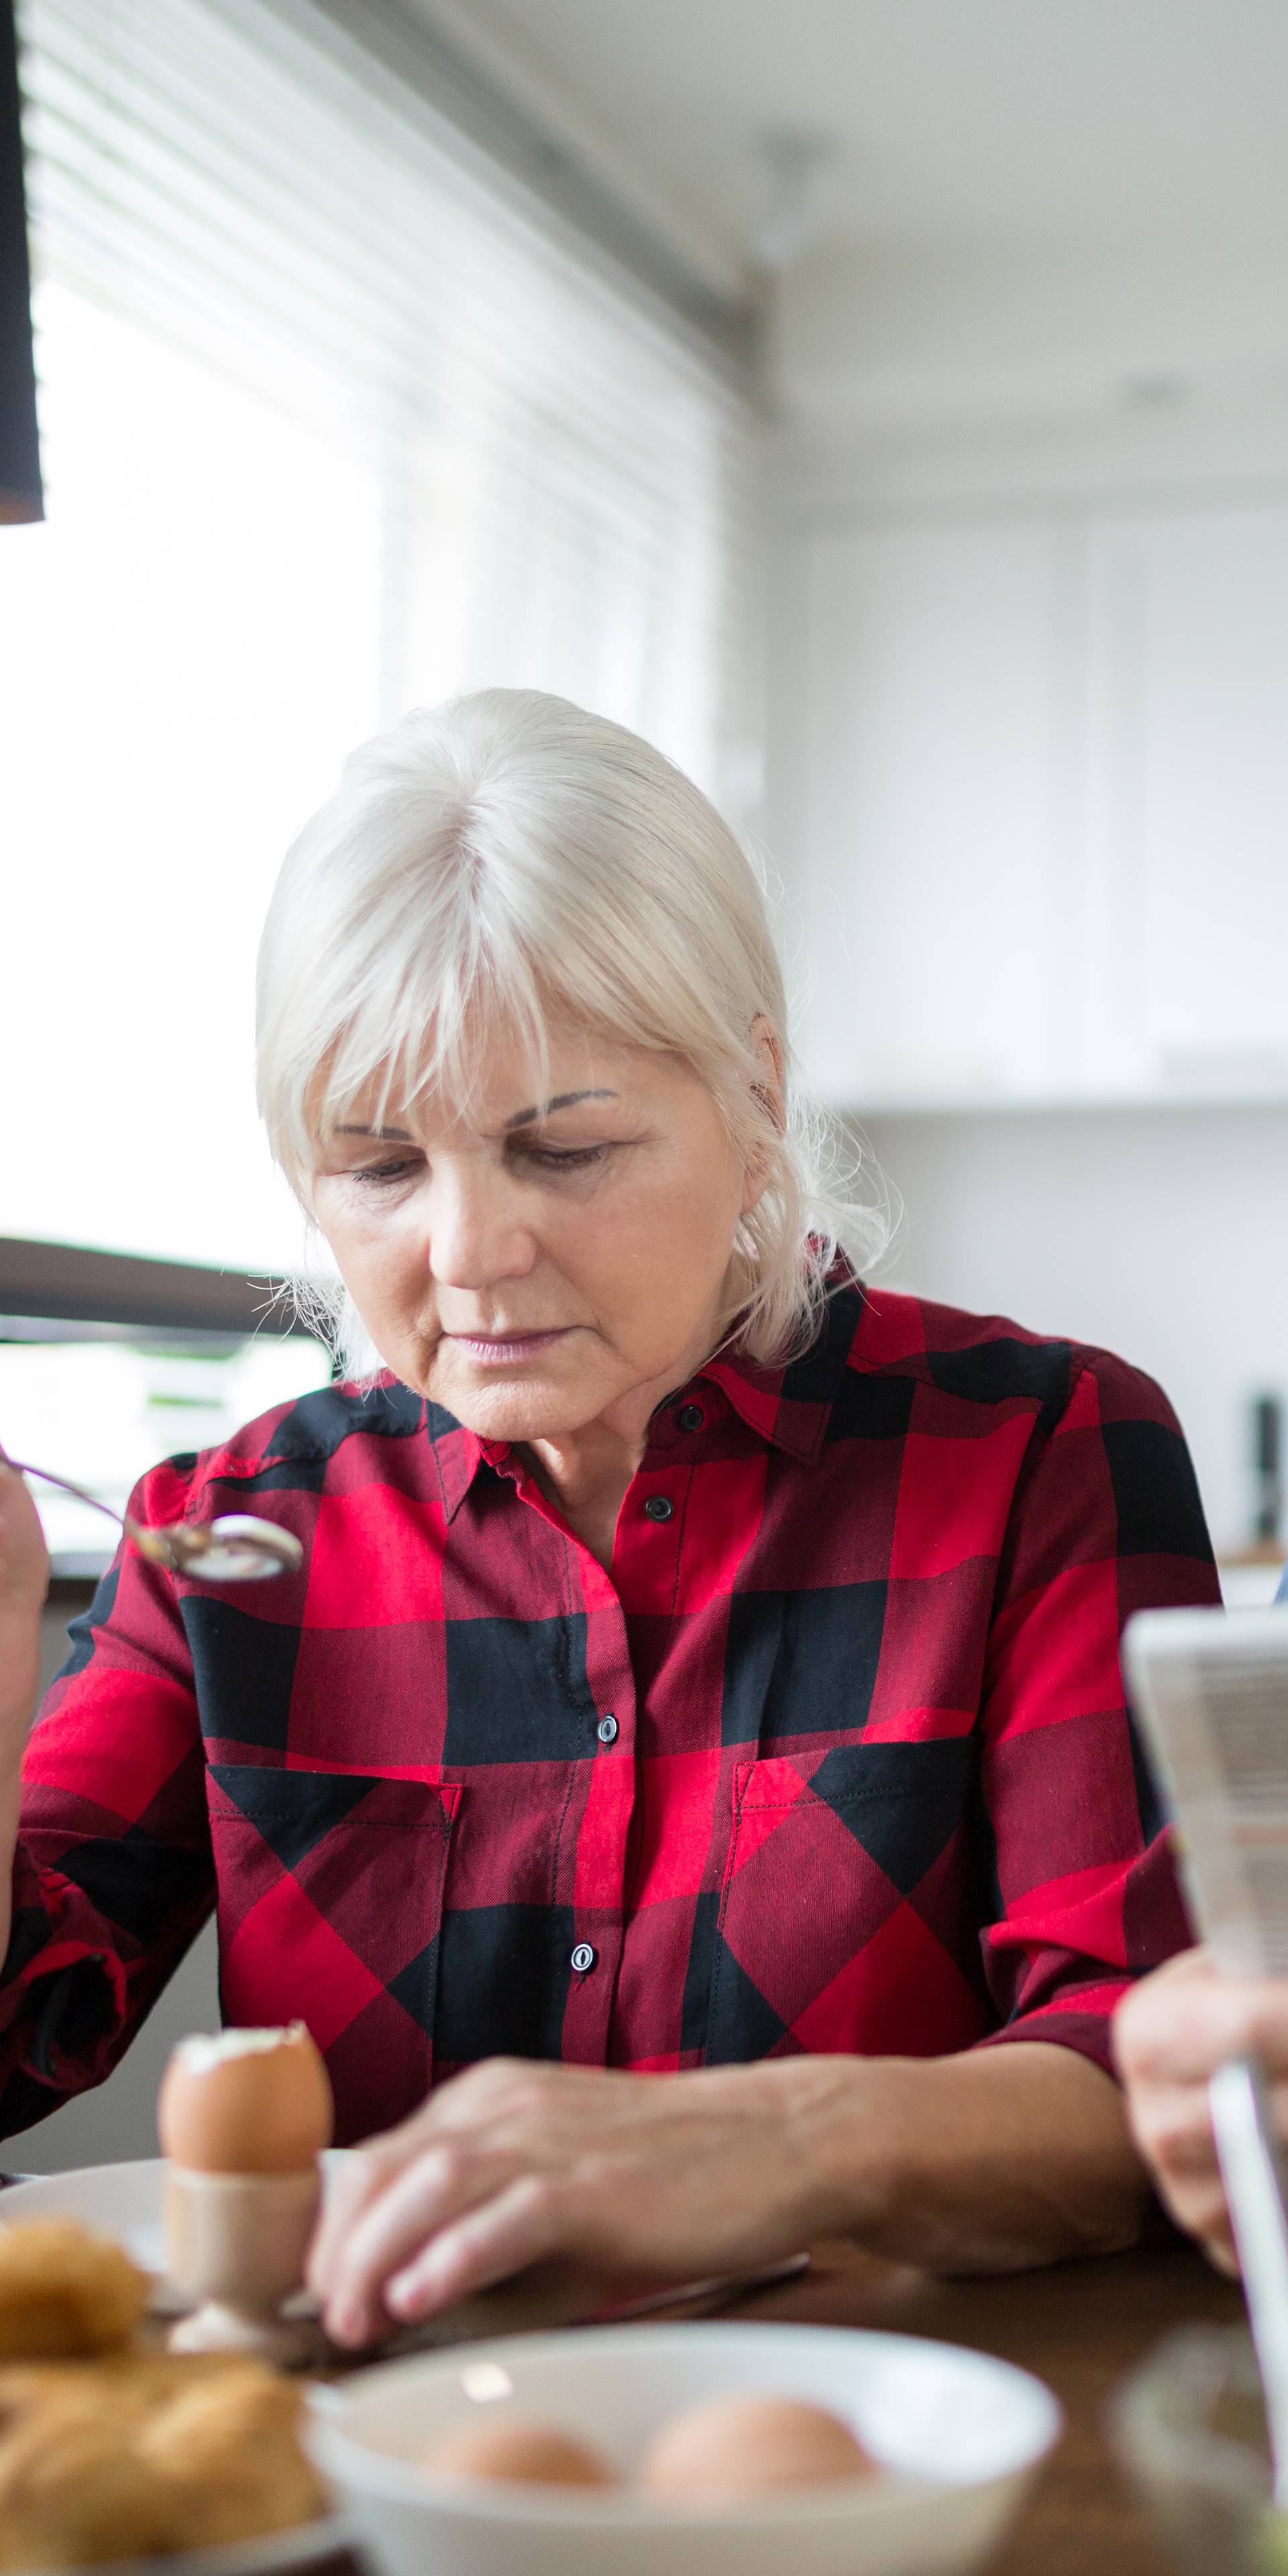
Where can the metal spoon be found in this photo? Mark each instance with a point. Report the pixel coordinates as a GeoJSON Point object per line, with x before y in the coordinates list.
{"type": "Point", "coordinates": [1253, 2175]}
{"type": "Point", "coordinates": [233, 1549]}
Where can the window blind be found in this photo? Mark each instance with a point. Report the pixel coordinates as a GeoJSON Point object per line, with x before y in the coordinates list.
{"type": "Point", "coordinates": [336, 419]}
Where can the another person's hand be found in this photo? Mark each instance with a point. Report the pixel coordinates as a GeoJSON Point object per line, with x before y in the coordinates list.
{"type": "Point", "coordinates": [24, 1581]}
{"type": "Point", "coordinates": [1170, 2035]}
{"type": "Point", "coordinates": [670, 2176]}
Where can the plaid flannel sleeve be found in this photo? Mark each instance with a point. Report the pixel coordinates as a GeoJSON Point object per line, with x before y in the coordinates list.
{"type": "Point", "coordinates": [113, 1874]}
{"type": "Point", "coordinates": [1107, 1522]}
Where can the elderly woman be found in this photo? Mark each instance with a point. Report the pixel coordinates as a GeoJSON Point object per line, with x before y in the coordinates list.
{"type": "Point", "coordinates": [696, 1730]}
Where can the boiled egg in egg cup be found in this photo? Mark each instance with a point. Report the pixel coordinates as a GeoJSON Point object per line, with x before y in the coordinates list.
{"type": "Point", "coordinates": [243, 2118]}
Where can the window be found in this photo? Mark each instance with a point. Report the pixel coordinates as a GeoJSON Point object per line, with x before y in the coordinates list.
{"type": "Point", "coordinates": [101, 1406]}
{"type": "Point", "coordinates": [334, 420]}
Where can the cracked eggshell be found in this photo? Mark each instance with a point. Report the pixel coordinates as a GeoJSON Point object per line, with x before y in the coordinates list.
{"type": "Point", "coordinates": [246, 2102]}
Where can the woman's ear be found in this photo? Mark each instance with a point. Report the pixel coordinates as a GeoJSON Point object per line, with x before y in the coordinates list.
{"type": "Point", "coordinates": [767, 1090]}
{"type": "Point", "coordinates": [768, 1084]}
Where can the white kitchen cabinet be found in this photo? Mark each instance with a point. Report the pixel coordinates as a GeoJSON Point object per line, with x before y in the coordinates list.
{"type": "Point", "coordinates": [930, 835]}
{"type": "Point", "coordinates": [1187, 805]}
{"type": "Point", "coordinates": [1035, 788]}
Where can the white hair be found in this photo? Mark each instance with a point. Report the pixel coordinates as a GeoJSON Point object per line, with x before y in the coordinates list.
{"type": "Point", "coordinates": [508, 860]}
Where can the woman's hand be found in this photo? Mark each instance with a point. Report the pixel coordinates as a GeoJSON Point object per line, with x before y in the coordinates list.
{"type": "Point", "coordinates": [983, 2162]}
{"type": "Point", "coordinates": [1170, 2035]}
{"type": "Point", "coordinates": [668, 2176]}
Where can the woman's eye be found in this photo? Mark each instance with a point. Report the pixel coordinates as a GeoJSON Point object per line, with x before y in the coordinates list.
{"type": "Point", "coordinates": [372, 1174]}
{"type": "Point", "coordinates": [572, 1158]}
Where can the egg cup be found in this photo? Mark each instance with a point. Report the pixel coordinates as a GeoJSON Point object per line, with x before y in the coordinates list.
{"type": "Point", "coordinates": [236, 2243]}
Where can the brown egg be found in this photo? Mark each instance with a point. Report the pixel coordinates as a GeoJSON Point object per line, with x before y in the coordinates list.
{"type": "Point", "coordinates": [513, 2446]}
{"type": "Point", "coordinates": [246, 2101]}
{"type": "Point", "coordinates": [734, 2446]}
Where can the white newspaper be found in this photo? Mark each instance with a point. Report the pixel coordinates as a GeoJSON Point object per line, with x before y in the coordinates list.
{"type": "Point", "coordinates": [1209, 1690]}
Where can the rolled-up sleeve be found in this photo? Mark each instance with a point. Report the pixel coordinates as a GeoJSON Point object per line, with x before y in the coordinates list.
{"type": "Point", "coordinates": [113, 1874]}
{"type": "Point", "coordinates": [1106, 1521]}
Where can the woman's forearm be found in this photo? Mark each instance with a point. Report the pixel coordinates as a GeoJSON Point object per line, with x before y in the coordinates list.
{"type": "Point", "coordinates": [988, 2161]}
{"type": "Point", "coordinates": [980, 2163]}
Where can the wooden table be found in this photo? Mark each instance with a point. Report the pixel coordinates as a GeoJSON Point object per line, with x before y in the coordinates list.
{"type": "Point", "coordinates": [1079, 2326]}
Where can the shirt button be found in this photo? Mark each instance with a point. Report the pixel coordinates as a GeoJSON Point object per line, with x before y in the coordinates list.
{"type": "Point", "coordinates": [607, 1729]}
{"type": "Point", "coordinates": [657, 1508]}
{"type": "Point", "coordinates": [690, 1417]}
{"type": "Point", "coordinates": [583, 1958]}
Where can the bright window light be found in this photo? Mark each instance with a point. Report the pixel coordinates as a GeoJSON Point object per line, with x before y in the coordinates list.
{"type": "Point", "coordinates": [335, 419]}
{"type": "Point", "coordinates": [101, 1412]}
{"type": "Point", "coordinates": [185, 649]}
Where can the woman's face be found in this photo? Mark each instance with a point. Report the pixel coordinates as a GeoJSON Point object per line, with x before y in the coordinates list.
{"type": "Point", "coordinates": [543, 1262]}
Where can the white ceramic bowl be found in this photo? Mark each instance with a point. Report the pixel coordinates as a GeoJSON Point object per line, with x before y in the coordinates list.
{"type": "Point", "coordinates": [959, 2433]}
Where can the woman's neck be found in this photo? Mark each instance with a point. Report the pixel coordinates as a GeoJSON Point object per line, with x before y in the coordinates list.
{"type": "Point", "coordinates": [587, 1471]}
{"type": "Point", "coordinates": [587, 1475]}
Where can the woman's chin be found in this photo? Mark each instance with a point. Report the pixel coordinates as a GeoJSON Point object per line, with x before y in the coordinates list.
{"type": "Point", "coordinates": [532, 1405]}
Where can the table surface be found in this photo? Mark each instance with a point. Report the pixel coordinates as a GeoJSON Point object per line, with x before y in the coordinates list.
{"type": "Point", "coordinates": [1079, 2326]}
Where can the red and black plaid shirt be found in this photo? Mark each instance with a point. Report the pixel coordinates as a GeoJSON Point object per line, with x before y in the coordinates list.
{"type": "Point", "coordinates": [835, 1759]}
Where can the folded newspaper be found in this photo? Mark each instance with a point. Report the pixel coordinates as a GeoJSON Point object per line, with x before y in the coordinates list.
{"type": "Point", "coordinates": [1209, 1691]}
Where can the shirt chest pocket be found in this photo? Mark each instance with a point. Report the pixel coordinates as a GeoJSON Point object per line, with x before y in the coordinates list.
{"type": "Point", "coordinates": [841, 1910]}
{"type": "Point", "coordinates": [330, 1911]}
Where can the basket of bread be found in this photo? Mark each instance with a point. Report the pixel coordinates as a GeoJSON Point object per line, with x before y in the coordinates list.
{"type": "Point", "coordinates": [125, 2441]}
{"type": "Point", "coordinates": [114, 2449]}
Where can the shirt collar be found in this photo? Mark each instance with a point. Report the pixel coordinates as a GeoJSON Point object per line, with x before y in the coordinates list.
{"type": "Point", "coordinates": [457, 1454]}
{"type": "Point", "coordinates": [790, 1407]}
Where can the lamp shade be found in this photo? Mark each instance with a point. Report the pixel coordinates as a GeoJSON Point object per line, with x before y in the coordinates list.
{"type": "Point", "coordinates": [20, 489]}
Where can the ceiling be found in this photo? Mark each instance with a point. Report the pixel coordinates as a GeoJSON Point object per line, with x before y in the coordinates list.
{"type": "Point", "coordinates": [1075, 121]}
{"type": "Point", "coordinates": [1065, 140]}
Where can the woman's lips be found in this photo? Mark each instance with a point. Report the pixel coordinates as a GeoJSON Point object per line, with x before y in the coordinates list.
{"type": "Point", "coordinates": [502, 1350]}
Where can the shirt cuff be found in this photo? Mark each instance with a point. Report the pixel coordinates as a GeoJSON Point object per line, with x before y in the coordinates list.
{"type": "Point", "coordinates": [1078, 2018]}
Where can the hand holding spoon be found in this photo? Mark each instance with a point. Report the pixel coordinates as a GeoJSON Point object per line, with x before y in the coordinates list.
{"type": "Point", "coordinates": [233, 1549]}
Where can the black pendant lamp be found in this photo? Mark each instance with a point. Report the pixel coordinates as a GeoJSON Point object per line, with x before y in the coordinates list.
{"type": "Point", "coordinates": [21, 497]}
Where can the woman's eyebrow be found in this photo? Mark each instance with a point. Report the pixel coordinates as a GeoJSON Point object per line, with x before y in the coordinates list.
{"type": "Point", "coordinates": [547, 1108]}
{"type": "Point", "coordinates": [521, 1118]}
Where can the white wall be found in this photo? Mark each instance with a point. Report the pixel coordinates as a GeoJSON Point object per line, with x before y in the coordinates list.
{"type": "Point", "coordinates": [1160, 1233]}
{"type": "Point", "coordinates": [118, 2120]}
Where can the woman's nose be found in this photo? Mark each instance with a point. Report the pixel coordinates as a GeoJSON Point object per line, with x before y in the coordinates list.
{"type": "Point", "coordinates": [475, 1232]}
